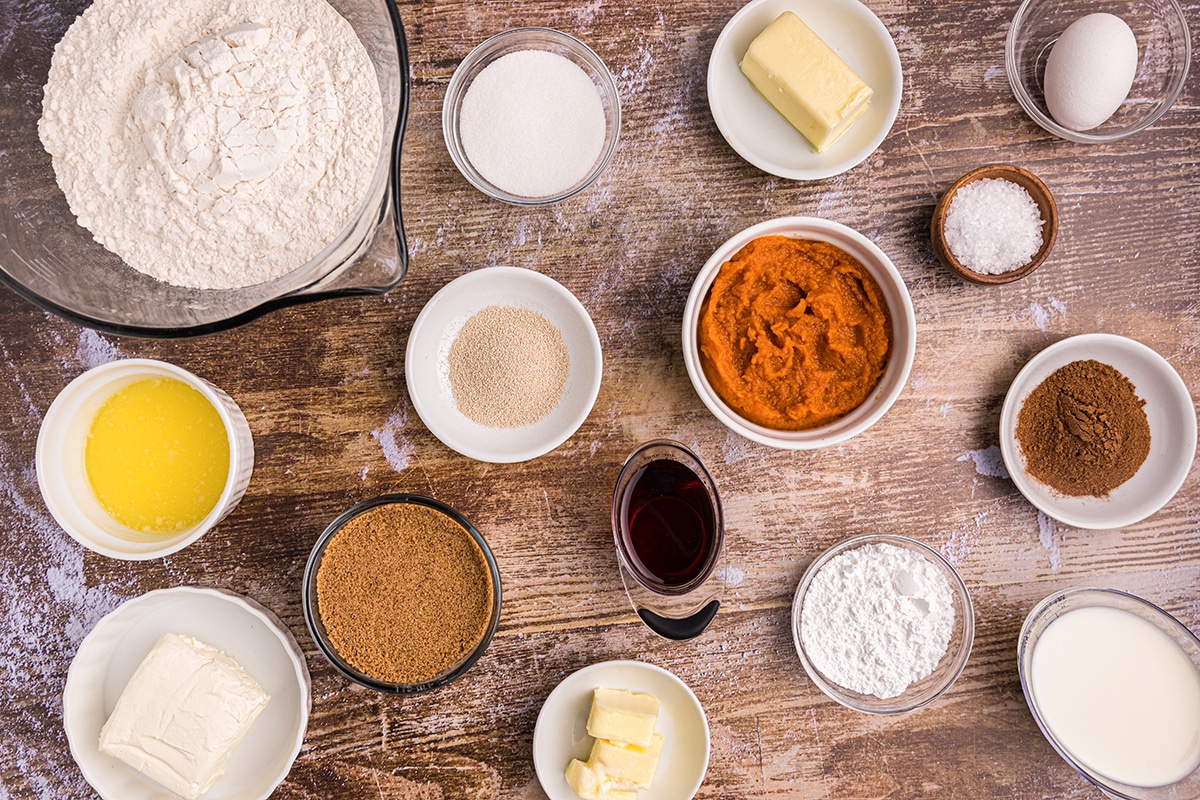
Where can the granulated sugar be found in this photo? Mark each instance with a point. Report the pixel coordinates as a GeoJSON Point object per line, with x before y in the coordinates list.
{"type": "Point", "coordinates": [508, 367]}
{"type": "Point", "coordinates": [532, 123]}
{"type": "Point", "coordinates": [877, 619]}
{"type": "Point", "coordinates": [993, 226]}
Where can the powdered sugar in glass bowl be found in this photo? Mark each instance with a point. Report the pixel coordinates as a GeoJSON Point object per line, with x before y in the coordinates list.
{"type": "Point", "coordinates": [948, 667]}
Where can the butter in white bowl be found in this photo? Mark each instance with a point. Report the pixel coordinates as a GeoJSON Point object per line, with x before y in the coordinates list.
{"type": "Point", "coordinates": [182, 715]}
{"type": "Point", "coordinates": [626, 749]}
{"type": "Point", "coordinates": [805, 80]}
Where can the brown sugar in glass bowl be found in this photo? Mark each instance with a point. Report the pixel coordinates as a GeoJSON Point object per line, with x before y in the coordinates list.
{"type": "Point", "coordinates": [402, 594]}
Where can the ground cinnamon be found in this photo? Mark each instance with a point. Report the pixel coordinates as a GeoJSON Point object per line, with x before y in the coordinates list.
{"type": "Point", "coordinates": [404, 592]}
{"type": "Point", "coordinates": [1083, 431]}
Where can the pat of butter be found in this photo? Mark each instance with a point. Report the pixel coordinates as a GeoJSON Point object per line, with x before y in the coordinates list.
{"type": "Point", "coordinates": [623, 716]}
{"type": "Point", "coordinates": [805, 80]}
{"type": "Point", "coordinates": [587, 781]}
{"type": "Point", "coordinates": [182, 714]}
{"type": "Point", "coordinates": [627, 766]}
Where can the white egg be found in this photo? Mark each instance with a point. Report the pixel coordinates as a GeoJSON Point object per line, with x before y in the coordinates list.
{"type": "Point", "coordinates": [1090, 71]}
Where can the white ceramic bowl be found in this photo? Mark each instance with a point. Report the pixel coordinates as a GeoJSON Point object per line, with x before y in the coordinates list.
{"type": "Point", "coordinates": [561, 730]}
{"type": "Point", "coordinates": [62, 476]}
{"type": "Point", "coordinates": [759, 133]}
{"type": "Point", "coordinates": [438, 325]}
{"type": "Point", "coordinates": [1169, 411]}
{"type": "Point", "coordinates": [904, 334]}
{"type": "Point", "coordinates": [240, 627]}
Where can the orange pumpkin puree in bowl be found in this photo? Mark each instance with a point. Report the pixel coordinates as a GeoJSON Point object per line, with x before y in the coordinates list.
{"type": "Point", "coordinates": [794, 333]}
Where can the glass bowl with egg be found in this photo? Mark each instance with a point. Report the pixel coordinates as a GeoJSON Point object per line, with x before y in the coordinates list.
{"type": "Point", "coordinates": [401, 594]}
{"type": "Point", "coordinates": [770, 406]}
{"type": "Point", "coordinates": [845, 594]}
{"type": "Point", "coordinates": [1113, 682]}
{"type": "Point", "coordinates": [52, 260]}
{"type": "Point", "coordinates": [1131, 81]}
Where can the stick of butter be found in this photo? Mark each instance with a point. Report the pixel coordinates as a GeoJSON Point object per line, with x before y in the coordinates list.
{"type": "Point", "coordinates": [182, 714]}
{"type": "Point", "coordinates": [805, 80]}
{"type": "Point", "coordinates": [620, 715]}
{"type": "Point", "coordinates": [627, 766]}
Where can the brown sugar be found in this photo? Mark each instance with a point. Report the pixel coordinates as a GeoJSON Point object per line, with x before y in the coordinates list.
{"type": "Point", "coordinates": [1083, 430]}
{"type": "Point", "coordinates": [404, 592]}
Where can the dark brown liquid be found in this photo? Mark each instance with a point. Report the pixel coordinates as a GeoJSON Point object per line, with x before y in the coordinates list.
{"type": "Point", "coordinates": [669, 524]}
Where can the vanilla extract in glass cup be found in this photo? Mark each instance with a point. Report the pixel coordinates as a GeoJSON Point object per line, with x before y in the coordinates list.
{"type": "Point", "coordinates": [669, 532]}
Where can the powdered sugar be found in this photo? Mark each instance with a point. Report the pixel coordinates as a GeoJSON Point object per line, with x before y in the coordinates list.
{"type": "Point", "coordinates": [532, 123]}
{"type": "Point", "coordinates": [877, 619]}
{"type": "Point", "coordinates": [214, 143]}
{"type": "Point", "coordinates": [993, 226]}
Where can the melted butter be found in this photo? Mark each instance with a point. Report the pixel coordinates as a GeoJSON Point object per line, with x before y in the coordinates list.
{"type": "Point", "coordinates": [157, 456]}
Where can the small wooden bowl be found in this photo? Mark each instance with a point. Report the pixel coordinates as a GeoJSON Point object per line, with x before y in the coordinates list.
{"type": "Point", "coordinates": [1026, 180]}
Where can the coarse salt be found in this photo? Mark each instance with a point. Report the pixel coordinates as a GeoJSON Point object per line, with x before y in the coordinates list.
{"type": "Point", "coordinates": [993, 226]}
{"type": "Point", "coordinates": [532, 123]}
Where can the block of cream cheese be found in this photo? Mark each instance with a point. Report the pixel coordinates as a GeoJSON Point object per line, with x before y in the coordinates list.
{"type": "Point", "coordinates": [805, 80]}
{"type": "Point", "coordinates": [623, 716]}
{"type": "Point", "coordinates": [182, 714]}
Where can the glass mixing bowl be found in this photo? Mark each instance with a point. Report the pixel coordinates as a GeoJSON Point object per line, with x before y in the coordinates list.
{"type": "Point", "coordinates": [49, 259]}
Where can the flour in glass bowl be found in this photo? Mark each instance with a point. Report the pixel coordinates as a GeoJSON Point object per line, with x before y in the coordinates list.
{"type": "Point", "coordinates": [213, 144]}
{"type": "Point", "coordinates": [877, 619]}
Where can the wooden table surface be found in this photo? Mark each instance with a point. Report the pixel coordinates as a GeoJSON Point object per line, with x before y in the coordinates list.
{"type": "Point", "coordinates": [323, 388]}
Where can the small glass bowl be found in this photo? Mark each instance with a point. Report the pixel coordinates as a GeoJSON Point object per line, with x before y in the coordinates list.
{"type": "Point", "coordinates": [312, 613]}
{"type": "Point", "coordinates": [1066, 600]}
{"type": "Point", "coordinates": [929, 688]}
{"type": "Point", "coordinates": [1164, 55]}
{"type": "Point", "coordinates": [512, 41]}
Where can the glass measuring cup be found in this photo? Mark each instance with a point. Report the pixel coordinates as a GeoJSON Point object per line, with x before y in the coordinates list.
{"type": "Point", "coordinates": [669, 532]}
{"type": "Point", "coordinates": [50, 260]}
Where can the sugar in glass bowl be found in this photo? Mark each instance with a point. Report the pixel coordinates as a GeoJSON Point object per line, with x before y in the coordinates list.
{"type": "Point", "coordinates": [514, 41]}
{"type": "Point", "coordinates": [48, 258]}
{"type": "Point", "coordinates": [1164, 55]}
{"type": "Point", "coordinates": [932, 686]}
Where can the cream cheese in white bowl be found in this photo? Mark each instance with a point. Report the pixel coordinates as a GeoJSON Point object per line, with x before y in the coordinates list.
{"type": "Point", "coordinates": [246, 632]}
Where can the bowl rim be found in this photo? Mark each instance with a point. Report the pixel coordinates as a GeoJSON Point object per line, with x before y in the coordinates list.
{"type": "Point", "coordinates": [312, 614]}
{"type": "Point", "coordinates": [1120, 600]}
{"type": "Point", "coordinates": [1015, 174]}
{"type": "Point", "coordinates": [1047, 123]}
{"type": "Point", "coordinates": [903, 321]}
{"type": "Point", "coordinates": [868, 704]}
{"type": "Point", "coordinates": [457, 88]}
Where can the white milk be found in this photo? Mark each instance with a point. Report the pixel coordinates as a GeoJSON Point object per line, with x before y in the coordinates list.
{"type": "Point", "coordinates": [1119, 695]}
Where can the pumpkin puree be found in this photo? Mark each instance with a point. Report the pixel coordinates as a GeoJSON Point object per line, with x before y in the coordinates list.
{"type": "Point", "coordinates": [794, 333]}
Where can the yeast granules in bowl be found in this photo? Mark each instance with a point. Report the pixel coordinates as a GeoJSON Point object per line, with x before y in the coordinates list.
{"type": "Point", "coordinates": [404, 593]}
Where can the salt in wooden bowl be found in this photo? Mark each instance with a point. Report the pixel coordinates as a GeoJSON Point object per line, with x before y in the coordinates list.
{"type": "Point", "coordinates": [1026, 180]}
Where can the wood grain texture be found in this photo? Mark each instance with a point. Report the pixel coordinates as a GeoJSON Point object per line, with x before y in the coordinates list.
{"type": "Point", "coordinates": [322, 386]}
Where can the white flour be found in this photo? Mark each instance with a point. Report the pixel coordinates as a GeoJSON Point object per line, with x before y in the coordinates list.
{"type": "Point", "coordinates": [876, 619]}
{"type": "Point", "coordinates": [212, 143]}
